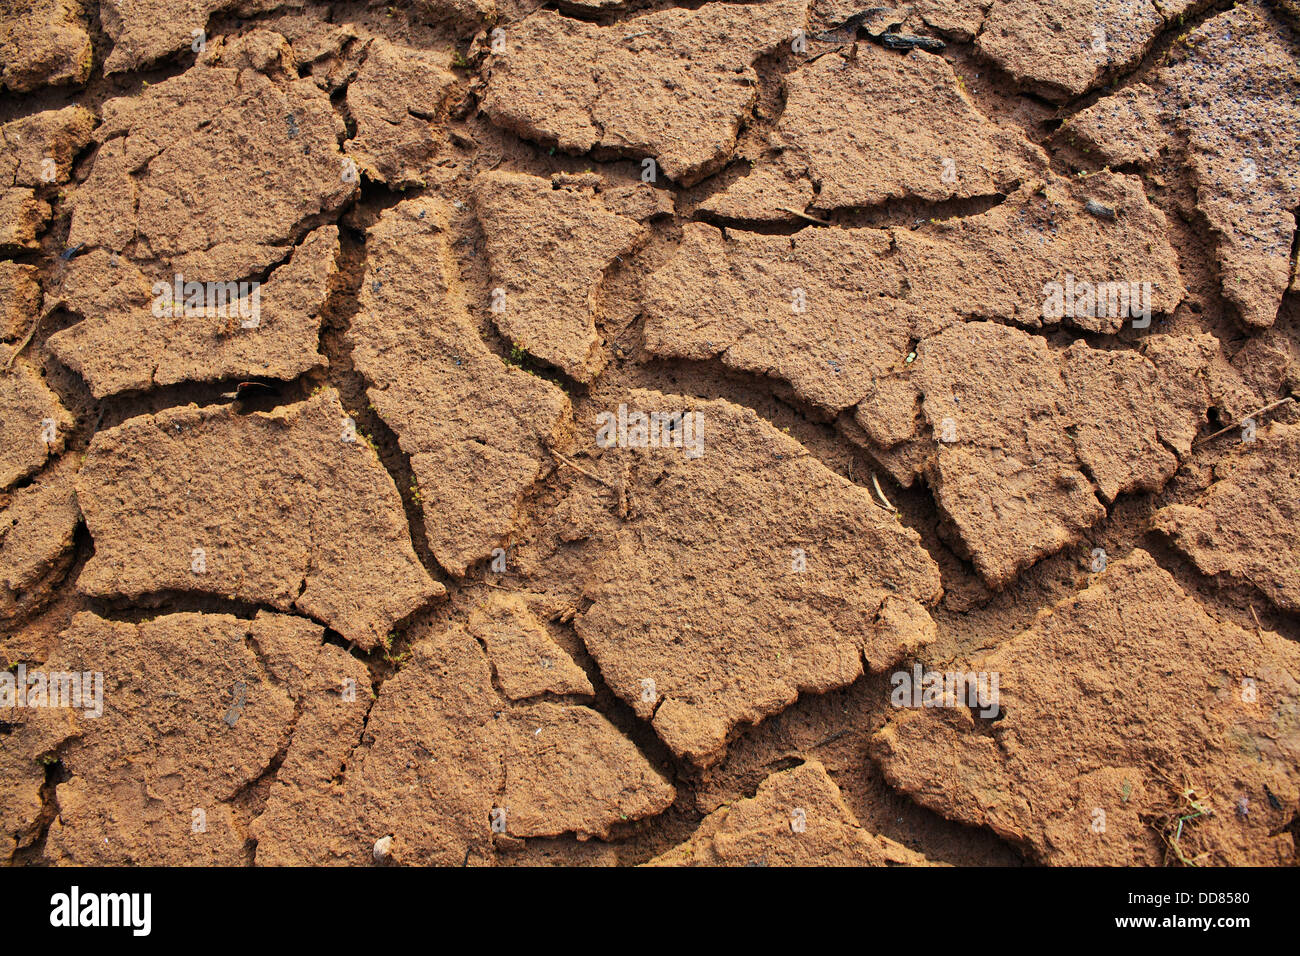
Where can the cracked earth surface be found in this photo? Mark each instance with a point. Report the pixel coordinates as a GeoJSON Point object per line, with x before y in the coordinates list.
{"type": "Point", "coordinates": [471, 432]}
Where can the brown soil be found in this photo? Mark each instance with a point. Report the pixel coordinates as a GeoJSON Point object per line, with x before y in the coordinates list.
{"type": "Point", "coordinates": [642, 397]}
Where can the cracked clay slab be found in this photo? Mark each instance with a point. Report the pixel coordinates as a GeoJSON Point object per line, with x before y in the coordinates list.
{"type": "Point", "coordinates": [207, 500]}
{"type": "Point", "coordinates": [215, 173]}
{"type": "Point", "coordinates": [38, 149]}
{"type": "Point", "coordinates": [673, 85]}
{"type": "Point", "coordinates": [1060, 49]}
{"type": "Point", "coordinates": [425, 772]}
{"type": "Point", "coordinates": [1231, 94]}
{"type": "Point", "coordinates": [332, 696]}
{"type": "Point", "coordinates": [568, 769]}
{"type": "Point", "coordinates": [37, 529]}
{"type": "Point", "coordinates": [1020, 439]}
{"type": "Point", "coordinates": [548, 247]}
{"type": "Point", "coordinates": [43, 43]}
{"type": "Point", "coordinates": [144, 31]}
{"type": "Point", "coordinates": [22, 218]}
{"type": "Point", "coordinates": [123, 343]}
{"type": "Point", "coordinates": [31, 741]}
{"type": "Point", "coordinates": [744, 576]}
{"type": "Point", "coordinates": [832, 310]}
{"type": "Point", "coordinates": [1246, 525]}
{"type": "Point", "coordinates": [1121, 703]}
{"type": "Point", "coordinates": [20, 298]}
{"type": "Point", "coordinates": [526, 661]}
{"type": "Point", "coordinates": [821, 309]}
{"type": "Point", "coordinates": [32, 421]}
{"type": "Point", "coordinates": [396, 98]}
{"type": "Point", "coordinates": [190, 719]}
{"type": "Point", "coordinates": [476, 429]}
{"type": "Point", "coordinates": [1052, 235]}
{"type": "Point", "coordinates": [444, 764]}
{"type": "Point", "coordinates": [797, 817]}
{"type": "Point", "coordinates": [877, 127]}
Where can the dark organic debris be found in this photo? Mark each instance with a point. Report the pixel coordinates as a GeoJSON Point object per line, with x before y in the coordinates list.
{"type": "Point", "coordinates": [901, 41]}
{"type": "Point", "coordinates": [1099, 210]}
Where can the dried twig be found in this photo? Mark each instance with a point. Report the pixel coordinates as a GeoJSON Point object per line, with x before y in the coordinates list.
{"type": "Point", "coordinates": [1259, 630]}
{"type": "Point", "coordinates": [1237, 424]}
{"type": "Point", "coordinates": [826, 740]}
{"type": "Point", "coordinates": [27, 339]}
{"type": "Point", "coordinates": [803, 215]}
{"type": "Point", "coordinates": [885, 501]}
{"type": "Point", "coordinates": [583, 471]}
{"type": "Point", "coordinates": [834, 49]}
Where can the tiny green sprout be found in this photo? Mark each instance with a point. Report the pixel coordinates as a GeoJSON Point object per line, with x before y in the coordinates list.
{"type": "Point", "coordinates": [517, 354]}
{"type": "Point", "coordinates": [365, 437]}
{"type": "Point", "coordinates": [458, 60]}
{"type": "Point", "coordinates": [911, 357]}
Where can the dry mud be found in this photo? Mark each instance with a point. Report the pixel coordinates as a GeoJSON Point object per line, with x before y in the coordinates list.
{"type": "Point", "coordinates": [615, 433]}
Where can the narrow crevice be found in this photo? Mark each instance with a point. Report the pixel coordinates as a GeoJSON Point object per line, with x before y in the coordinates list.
{"type": "Point", "coordinates": [639, 840]}
{"type": "Point", "coordinates": [1223, 598]}
{"type": "Point", "coordinates": [32, 853]}
{"type": "Point", "coordinates": [139, 609]}
{"type": "Point", "coordinates": [1156, 55]}
{"type": "Point", "coordinates": [1295, 253]}
{"type": "Point", "coordinates": [340, 775]}
{"type": "Point", "coordinates": [341, 307]}
{"type": "Point", "coordinates": [249, 800]}
{"type": "Point", "coordinates": [901, 213]}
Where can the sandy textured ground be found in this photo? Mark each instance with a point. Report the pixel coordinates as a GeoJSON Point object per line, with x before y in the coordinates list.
{"type": "Point", "coordinates": [610, 433]}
